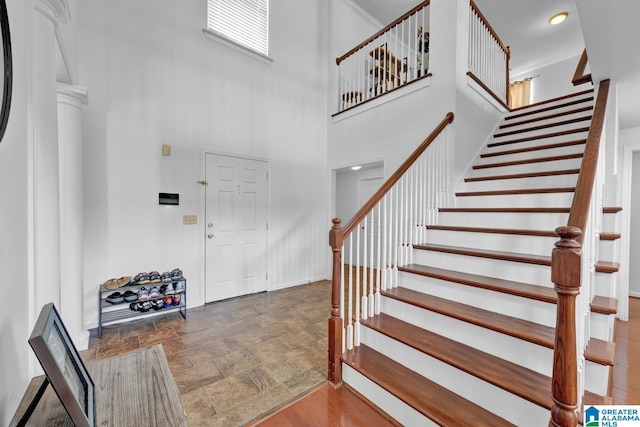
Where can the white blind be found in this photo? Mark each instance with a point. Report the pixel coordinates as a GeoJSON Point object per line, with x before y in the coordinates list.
{"type": "Point", "coordinates": [244, 21]}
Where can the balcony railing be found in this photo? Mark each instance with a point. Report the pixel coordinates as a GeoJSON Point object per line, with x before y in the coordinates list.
{"type": "Point", "coordinates": [396, 55]}
{"type": "Point", "coordinates": [488, 57]}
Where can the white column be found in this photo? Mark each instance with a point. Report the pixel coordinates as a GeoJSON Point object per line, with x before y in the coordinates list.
{"type": "Point", "coordinates": [70, 102]}
{"type": "Point", "coordinates": [46, 202]}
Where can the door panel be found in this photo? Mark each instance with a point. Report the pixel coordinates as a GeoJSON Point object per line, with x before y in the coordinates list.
{"type": "Point", "coordinates": [236, 215]}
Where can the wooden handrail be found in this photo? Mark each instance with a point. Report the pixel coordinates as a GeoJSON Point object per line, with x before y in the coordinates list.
{"type": "Point", "coordinates": [377, 196]}
{"type": "Point", "coordinates": [336, 240]}
{"type": "Point", "coordinates": [504, 47]}
{"type": "Point", "coordinates": [584, 187]}
{"type": "Point", "coordinates": [382, 31]}
{"type": "Point", "coordinates": [566, 267]}
{"type": "Point", "coordinates": [579, 77]}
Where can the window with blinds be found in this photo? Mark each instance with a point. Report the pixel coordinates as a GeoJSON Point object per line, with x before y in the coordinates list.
{"type": "Point", "coordinates": [245, 22]}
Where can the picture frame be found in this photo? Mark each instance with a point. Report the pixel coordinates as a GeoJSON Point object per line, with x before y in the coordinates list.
{"type": "Point", "coordinates": [63, 367]}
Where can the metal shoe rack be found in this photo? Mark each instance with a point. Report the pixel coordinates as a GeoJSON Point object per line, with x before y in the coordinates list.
{"type": "Point", "coordinates": [109, 314]}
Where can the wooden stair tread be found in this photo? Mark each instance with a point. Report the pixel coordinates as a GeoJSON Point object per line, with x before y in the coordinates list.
{"type": "Point", "coordinates": [510, 231]}
{"type": "Point", "coordinates": [517, 191]}
{"type": "Point", "coordinates": [600, 351]}
{"type": "Point", "coordinates": [547, 117]}
{"type": "Point", "coordinates": [609, 236]}
{"type": "Point", "coordinates": [551, 108]}
{"type": "Point", "coordinates": [539, 136]}
{"type": "Point", "coordinates": [534, 148]}
{"type": "Point", "coordinates": [482, 253]}
{"type": "Point", "coordinates": [545, 126]}
{"type": "Point", "coordinates": [525, 290]}
{"type": "Point", "coordinates": [509, 376]}
{"type": "Point", "coordinates": [556, 99]}
{"type": "Point", "coordinates": [506, 210]}
{"type": "Point", "coordinates": [611, 209]}
{"type": "Point", "coordinates": [529, 161]}
{"type": "Point", "coordinates": [604, 305]}
{"type": "Point", "coordinates": [523, 175]}
{"type": "Point", "coordinates": [425, 396]}
{"type": "Point", "coordinates": [508, 325]}
{"type": "Point", "coordinates": [607, 267]}
{"type": "Point", "coordinates": [591, 398]}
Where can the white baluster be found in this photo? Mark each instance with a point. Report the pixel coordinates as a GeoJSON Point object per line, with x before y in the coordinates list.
{"type": "Point", "coordinates": [350, 292]}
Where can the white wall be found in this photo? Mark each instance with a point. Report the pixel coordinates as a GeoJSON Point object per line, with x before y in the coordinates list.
{"type": "Point", "coordinates": [16, 316]}
{"type": "Point", "coordinates": [164, 82]}
{"type": "Point", "coordinates": [553, 80]}
{"type": "Point", "coordinates": [634, 235]}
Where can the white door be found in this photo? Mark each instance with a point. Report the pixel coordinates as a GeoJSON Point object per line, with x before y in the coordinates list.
{"type": "Point", "coordinates": [236, 226]}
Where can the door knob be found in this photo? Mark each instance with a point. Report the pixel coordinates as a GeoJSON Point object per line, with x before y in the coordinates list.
{"type": "Point", "coordinates": [210, 236]}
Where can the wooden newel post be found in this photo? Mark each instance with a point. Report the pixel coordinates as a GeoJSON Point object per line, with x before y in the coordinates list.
{"type": "Point", "coordinates": [565, 274]}
{"type": "Point", "coordinates": [336, 238]}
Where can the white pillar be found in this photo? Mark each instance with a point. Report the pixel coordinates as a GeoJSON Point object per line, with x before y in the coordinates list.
{"type": "Point", "coordinates": [46, 202]}
{"type": "Point", "coordinates": [70, 101]}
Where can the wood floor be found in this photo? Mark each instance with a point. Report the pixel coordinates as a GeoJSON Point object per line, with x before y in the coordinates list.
{"type": "Point", "coordinates": [326, 406]}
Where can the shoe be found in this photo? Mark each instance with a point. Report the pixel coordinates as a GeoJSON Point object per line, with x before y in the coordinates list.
{"type": "Point", "coordinates": [168, 289]}
{"type": "Point", "coordinates": [142, 278]}
{"type": "Point", "coordinates": [130, 296]}
{"type": "Point", "coordinates": [111, 284]}
{"type": "Point", "coordinates": [180, 286]}
{"type": "Point", "coordinates": [154, 277]}
{"type": "Point", "coordinates": [176, 300]}
{"type": "Point", "coordinates": [143, 294]}
{"type": "Point", "coordinates": [115, 298]}
{"type": "Point", "coordinates": [176, 274]}
{"type": "Point", "coordinates": [142, 307]}
{"type": "Point", "coordinates": [154, 293]}
{"type": "Point", "coordinates": [124, 281]}
{"type": "Point", "coordinates": [158, 304]}
{"type": "Point", "coordinates": [168, 301]}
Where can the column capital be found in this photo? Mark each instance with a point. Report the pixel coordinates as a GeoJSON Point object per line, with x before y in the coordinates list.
{"type": "Point", "coordinates": [78, 94]}
{"type": "Point", "coordinates": [56, 10]}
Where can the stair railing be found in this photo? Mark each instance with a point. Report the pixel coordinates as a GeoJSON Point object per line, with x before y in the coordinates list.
{"type": "Point", "coordinates": [580, 76]}
{"type": "Point", "coordinates": [379, 238]}
{"type": "Point", "coordinates": [567, 271]}
{"type": "Point", "coordinates": [394, 56]}
{"type": "Point", "coordinates": [488, 57]}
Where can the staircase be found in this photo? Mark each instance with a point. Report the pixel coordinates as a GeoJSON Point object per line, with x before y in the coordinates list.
{"type": "Point", "coordinates": [467, 335]}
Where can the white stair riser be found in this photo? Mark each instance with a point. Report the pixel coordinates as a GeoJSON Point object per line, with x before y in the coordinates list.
{"type": "Point", "coordinates": [536, 111]}
{"type": "Point", "coordinates": [537, 154]}
{"type": "Point", "coordinates": [532, 245]}
{"type": "Point", "coordinates": [515, 350]}
{"type": "Point", "coordinates": [528, 143]}
{"type": "Point", "coordinates": [510, 407]}
{"type": "Point", "coordinates": [532, 133]}
{"type": "Point", "coordinates": [602, 326]}
{"type": "Point", "coordinates": [384, 400]}
{"type": "Point", "coordinates": [531, 221]}
{"type": "Point", "coordinates": [549, 200]}
{"type": "Point", "coordinates": [540, 120]}
{"type": "Point", "coordinates": [610, 222]}
{"type": "Point", "coordinates": [526, 168]}
{"type": "Point", "coordinates": [606, 284]}
{"type": "Point", "coordinates": [608, 250]}
{"type": "Point", "coordinates": [507, 270]}
{"type": "Point", "coordinates": [597, 378]}
{"type": "Point", "coordinates": [510, 305]}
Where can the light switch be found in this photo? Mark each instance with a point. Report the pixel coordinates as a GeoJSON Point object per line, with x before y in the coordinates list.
{"type": "Point", "coordinates": [166, 149]}
{"type": "Point", "coordinates": [189, 219]}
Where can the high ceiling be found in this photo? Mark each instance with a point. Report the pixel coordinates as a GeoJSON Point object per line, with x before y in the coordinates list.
{"type": "Point", "coordinates": [610, 33]}
{"type": "Point", "coordinates": [523, 25]}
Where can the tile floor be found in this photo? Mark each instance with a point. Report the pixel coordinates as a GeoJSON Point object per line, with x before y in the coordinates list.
{"type": "Point", "coordinates": [236, 359]}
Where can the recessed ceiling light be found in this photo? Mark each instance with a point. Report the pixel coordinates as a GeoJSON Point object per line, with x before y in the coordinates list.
{"type": "Point", "coordinates": [355, 168]}
{"type": "Point", "coordinates": [558, 18]}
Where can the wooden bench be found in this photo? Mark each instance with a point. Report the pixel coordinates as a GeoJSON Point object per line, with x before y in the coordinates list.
{"type": "Point", "coordinates": [132, 389]}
